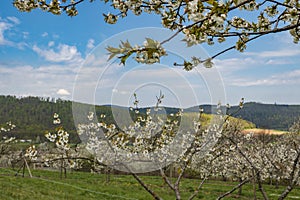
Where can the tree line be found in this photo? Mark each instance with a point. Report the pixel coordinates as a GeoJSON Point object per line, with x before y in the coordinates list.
{"type": "Point", "coordinates": [33, 115]}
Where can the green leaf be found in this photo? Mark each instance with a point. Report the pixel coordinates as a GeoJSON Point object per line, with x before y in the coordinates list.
{"type": "Point", "coordinates": [111, 56]}
{"type": "Point", "coordinates": [211, 2]}
{"type": "Point", "coordinates": [124, 58]}
{"type": "Point", "coordinates": [208, 63]}
{"type": "Point", "coordinates": [113, 49]}
{"type": "Point", "coordinates": [126, 44]}
{"type": "Point", "coordinates": [188, 66]}
{"type": "Point", "coordinates": [151, 43]}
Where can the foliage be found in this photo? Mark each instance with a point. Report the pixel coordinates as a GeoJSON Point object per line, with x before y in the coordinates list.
{"type": "Point", "coordinates": [266, 116]}
{"type": "Point", "coordinates": [236, 156]}
{"type": "Point", "coordinates": [31, 115]}
{"type": "Point", "coordinates": [149, 53]}
{"type": "Point", "coordinates": [5, 143]}
{"type": "Point", "coordinates": [207, 22]}
{"type": "Point", "coordinates": [247, 158]}
{"type": "Point", "coordinates": [270, 116]}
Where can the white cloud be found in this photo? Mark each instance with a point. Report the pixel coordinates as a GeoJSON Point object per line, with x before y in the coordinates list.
{"type": "Point", "coordinates": [46, 81]}
{"type": "Point", "coordinates": [63, 92]}
{"type": "Point", "coordinates": [278, 62]}
{"type": "Point", "coordinates": [63, 53]}
{"type": "Point", "coordinates": [45, 34]}
{"type": "Point", "coordinates": [14, 20]}
{"type": "Point", "coordinates": [51, 44]}
{"type": "Point", "coordinates": [286, 78]}
{"type": "Point", "coordinates": [55, 36]}
{"type": "Point", "coordinates": [288, 52]}
{"type": "Point", "coordinates": [234, 64]}
{"type": "Point", "coordinates": [90, 44]}
{"type": "Point", "coordinates": [25, 34]}
{"type": "Point", "coordinates": [4, 26]}
{"type": "Point", "coordinates": [6, 29]}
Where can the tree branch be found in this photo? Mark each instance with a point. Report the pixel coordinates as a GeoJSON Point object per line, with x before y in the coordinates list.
{"type": "Point", "coordinates": [292, 179]}
{"type": "Point", "coordinates": [153, 194]}
{"type": "Point", "coordinates": [71, 5]}
{"type": "Point", "coordinates": [198, 188]}
{"type": "Point", "coordinates": [166, 180]}
{"type": "Point", "coordinates": [257, 171]}
{"type": "Point", "coordinates": [233, 189]}
{"type": "Point", "coordinates": [282, 4]}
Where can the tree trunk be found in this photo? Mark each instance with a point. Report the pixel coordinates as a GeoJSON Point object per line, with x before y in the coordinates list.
{"type": "Point", "coordinates": [233, 189]}
{"type": "Point", "coordinates": [177, 193]}
{"type": "Point", "coordinates": [153, 194]}
{"type": "Point", "coordinates": [277, 184]}
{"type": "Point", "coordinates": [107, 174]}
{"type": "Point", "coordinates": [240, 188]}
{"type": "Point", "coordinates": [254, 185]}
{"type": "Point", "coordinates": [285, 193]}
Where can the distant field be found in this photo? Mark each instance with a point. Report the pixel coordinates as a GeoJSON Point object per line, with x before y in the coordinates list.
{"type": "Point", "coordinates": [264, 131]}
{"type": "Point", "coordinates": [47, 185]}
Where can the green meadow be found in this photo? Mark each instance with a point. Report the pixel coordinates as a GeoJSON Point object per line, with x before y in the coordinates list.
{"type": "Point", "coordinates": [47, 184]}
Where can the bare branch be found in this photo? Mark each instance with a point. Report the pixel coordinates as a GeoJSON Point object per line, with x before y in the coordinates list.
{"type": "Point", "coordinates": [292, 179]}
{"type": "Point", "coordinates": [233, 189]}
{"type": "Point", "coordinates": [198, 188]}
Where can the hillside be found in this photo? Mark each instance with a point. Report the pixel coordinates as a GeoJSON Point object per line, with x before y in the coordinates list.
{"type": "Point", "coordinates": [270, 116]}
{"type": "Point", "coordinates": [33, 115]}
{"type": "Point", "coordinates": [265, 116]}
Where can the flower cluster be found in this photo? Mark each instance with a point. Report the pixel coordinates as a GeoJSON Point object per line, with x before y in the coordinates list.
{"type": "Point", "coordinates": [7, 127]}
{"type": "Point", "coordinates": [240, 156]}
{"type": "Point", "coordinates": [199, 21]}
{"type": "Point", "coordinates": [60, 137]}
{"type": "Point", "coordinates": [31, 153]}
{"type": "Point", "coordinates": [56, 119]}
{"type": "Point", "coordinates": [147, 137]}
{"type": "Point", "coordinates": [150, 52]}
{"type": "Point", "coordinates": [9, 140]}
{"type": "Point", "coordinates": [205, 22]}
{"type": "Point", "coordinates": [151, 138]}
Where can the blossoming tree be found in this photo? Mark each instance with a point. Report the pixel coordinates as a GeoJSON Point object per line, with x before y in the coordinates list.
{"type": "Point", "coordinates": [208, 22]}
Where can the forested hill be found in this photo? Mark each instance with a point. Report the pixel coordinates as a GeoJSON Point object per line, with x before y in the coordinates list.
{"type": "Point", "coordinates": [34, 115]}
{"type": "Point", "coordinates": [267, 116]}
{"type": "Point", "coordinates": [270, 116]}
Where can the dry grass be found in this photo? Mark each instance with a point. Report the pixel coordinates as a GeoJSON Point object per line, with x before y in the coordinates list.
{"type": "Point", "coordinates": [258, 131]}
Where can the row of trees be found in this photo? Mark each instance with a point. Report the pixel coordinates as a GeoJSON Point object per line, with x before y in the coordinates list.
{"type": "Point", "coordinates": [148, 138]}
{"type": "Point", "coordinates": [219, 149]}
{"type": "Point", "coordinates": [31, 115]}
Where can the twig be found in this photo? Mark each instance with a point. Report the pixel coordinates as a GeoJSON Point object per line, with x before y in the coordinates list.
{"type": "Point", "coordinates": [292, 179]}
{"type": "Point", "coordinates": [166, 180]}
{"type": "Point", "coordinates": [72, 4]}
{"type": "Point", "coordinates": [233, 189]}
{"type": "Point", "coordinates": [198, 188]}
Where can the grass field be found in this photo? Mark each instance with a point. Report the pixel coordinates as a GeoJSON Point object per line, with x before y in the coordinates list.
{"type": "Point", "coordinates": [80, 185]}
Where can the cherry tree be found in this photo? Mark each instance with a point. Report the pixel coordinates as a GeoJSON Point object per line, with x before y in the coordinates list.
{"type": "Point", "coordinates": [60, 137]}
{"type": "Point", "coordinates": [152, 142]}
{"type": "Point", "coordinates": [6, 141]}
{"type": "Point", "coordinates": [252, 158]}
{"type": "Point", "coordinates": [209, 22]}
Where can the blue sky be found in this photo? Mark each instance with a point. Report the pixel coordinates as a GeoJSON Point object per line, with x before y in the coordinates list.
{"type": "Point", "coordinates": [46, 55]}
